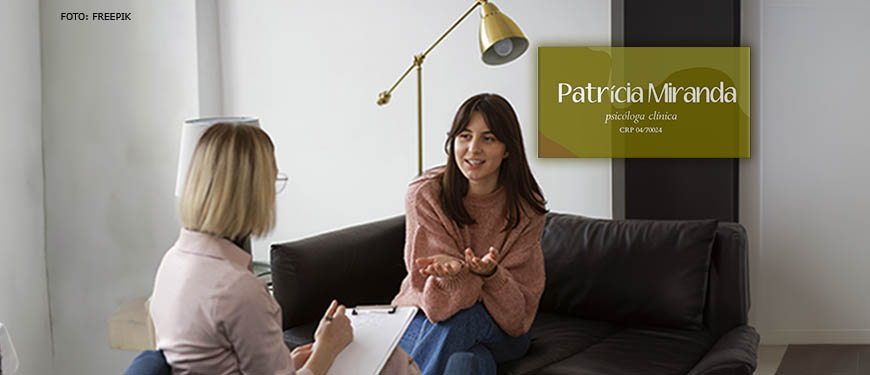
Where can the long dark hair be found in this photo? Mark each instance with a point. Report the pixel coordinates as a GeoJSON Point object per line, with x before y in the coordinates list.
{"type": "Point", "coordinates": [513, 174]}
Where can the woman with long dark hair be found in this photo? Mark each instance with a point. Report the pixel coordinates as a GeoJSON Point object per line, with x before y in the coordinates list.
{"type": "Point", "coordinates": [472, 245]}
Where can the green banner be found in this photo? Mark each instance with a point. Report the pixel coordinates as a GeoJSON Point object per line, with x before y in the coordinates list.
{"type": "Point", "coordinates": [643, 102]}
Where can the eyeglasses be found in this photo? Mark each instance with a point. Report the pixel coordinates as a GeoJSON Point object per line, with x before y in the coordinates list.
{"type": "Point", "coordinates": [281, 182]}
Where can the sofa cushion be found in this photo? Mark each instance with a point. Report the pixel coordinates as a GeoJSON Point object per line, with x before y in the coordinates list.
{"type": "Point", "coordinates": [638, 351]}
{"type": "Point", "coordinates": [628, 271]}
{"type": "Point", "coordinates": [557, 337]}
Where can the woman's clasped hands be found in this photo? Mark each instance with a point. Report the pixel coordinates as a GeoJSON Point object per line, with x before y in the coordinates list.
{"type": "Point", "coordinates": [442, 265]}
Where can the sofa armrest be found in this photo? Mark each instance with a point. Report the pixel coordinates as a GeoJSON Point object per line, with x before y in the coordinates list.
{"type": "Point", "coordinates": [300, 335]}
{"type": "Point", "coordinates": [734, 354]}
{"type": "Point", "coordinates": [357, 265]}
{"type": "Point", "coordinates": [728, 291]}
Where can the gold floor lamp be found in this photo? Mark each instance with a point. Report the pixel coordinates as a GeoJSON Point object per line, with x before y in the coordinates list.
{"type": "Point", "coordinates": [501, 41]}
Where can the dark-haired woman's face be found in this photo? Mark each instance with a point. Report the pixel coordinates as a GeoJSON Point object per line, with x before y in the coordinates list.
{"type": "Point", "coordinates": [479, 154]}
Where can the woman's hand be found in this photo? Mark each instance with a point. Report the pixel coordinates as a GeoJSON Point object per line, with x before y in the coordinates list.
{"type": "Point", "coordinates": [482, 266]}
{"type": "Point", "coordinates": [440, 265]}
{"type": "Point", "coordinates": [301, 354]}
{"type": "Point", "coordinates": [334, 332]}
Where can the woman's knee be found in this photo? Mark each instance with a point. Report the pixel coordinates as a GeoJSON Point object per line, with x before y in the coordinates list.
{"type": "Point", "coordinates": [486, 364]}
{"type": "Point", "coordinates": [462, 363]}
{"type": "Point", "coordinates": [477, 361]}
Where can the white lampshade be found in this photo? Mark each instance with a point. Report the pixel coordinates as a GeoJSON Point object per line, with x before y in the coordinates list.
{"type": "Point", "coordinates": [9, 360]}
{"type": "Point", "coordinates": [191, 131]}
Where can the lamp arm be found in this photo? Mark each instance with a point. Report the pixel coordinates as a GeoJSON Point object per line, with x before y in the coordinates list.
{"type": "Point", "coordinates": [476, 4]}
{"type": "Point", "coordinates": [418, 59]}
{"type": "Point", "coordinates": [384, 97]}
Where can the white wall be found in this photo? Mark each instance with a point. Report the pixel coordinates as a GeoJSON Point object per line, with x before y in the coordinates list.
{"type": "Point", "coordinates": [23, 293]}
{"type": "Point", "coordinates": [312, 71]}
{"type": "Point", "coordinates": [115, 95]}
{"type": "Point", "coordinates": [809, 174]}
{"type": "Point", "coordinates": [750, 169]}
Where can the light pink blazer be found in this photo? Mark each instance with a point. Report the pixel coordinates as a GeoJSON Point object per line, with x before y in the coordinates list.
{"type": "Point", "coordinates": [212, 315]}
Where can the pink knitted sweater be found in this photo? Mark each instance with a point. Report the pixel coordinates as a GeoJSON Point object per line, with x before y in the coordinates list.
{"type": "Point", "coordinates": [511, 294]}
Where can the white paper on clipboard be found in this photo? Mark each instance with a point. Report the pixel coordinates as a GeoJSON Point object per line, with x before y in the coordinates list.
{"type": "Point", "coordinates": [375, 335]}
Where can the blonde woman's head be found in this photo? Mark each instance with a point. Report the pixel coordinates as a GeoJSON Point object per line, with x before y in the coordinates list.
{"type": "Point", "coordinates": [230, 186]}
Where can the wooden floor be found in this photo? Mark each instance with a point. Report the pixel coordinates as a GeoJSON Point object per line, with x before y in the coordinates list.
{"type": "Point", "coordinates": [813, 360]}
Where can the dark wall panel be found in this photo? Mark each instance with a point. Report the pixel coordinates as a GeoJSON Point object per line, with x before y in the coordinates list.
{"type": "Point", "coordinates": [678, 188]}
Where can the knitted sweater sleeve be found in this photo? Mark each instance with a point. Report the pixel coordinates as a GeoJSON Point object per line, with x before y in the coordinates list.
{"type": "Point", "coordinates": [512, 293]}
{"type": "Point", "coordinates": [429, 233]}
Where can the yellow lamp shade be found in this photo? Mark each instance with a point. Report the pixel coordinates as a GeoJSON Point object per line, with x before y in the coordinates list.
{"type": "Point", "coordinates": [501, 40]}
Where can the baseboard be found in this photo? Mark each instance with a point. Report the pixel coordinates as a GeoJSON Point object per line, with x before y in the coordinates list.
{"type": "Point", "coordinates": [815, 336]}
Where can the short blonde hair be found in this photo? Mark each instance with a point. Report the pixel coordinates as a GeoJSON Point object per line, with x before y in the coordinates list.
{"type": "Point", "coordinates": [230, 186]}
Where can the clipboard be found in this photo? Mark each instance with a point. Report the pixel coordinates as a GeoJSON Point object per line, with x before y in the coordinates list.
{"type": "Point", "coordinates": [376, 332]}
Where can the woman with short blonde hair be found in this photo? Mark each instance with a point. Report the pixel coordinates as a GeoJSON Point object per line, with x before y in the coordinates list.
{"type": "Point", "coordinates": [230, 186]}
{"type": "Point", "coordinates": [211, 314]}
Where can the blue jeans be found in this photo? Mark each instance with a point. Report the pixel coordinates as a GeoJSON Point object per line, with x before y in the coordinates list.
{"type": "Point", "coordinates": [149, 362]}
{"type": "Point", "coordinates": [470, 330]}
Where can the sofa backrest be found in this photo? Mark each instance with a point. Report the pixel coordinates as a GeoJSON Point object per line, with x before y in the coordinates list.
{"type": "Point", "coordinates": [360, 265]}
{"type": "Point", "coordinates": [363, 265]}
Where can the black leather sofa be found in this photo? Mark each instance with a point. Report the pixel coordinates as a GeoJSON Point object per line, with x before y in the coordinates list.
{"type": "Point", "coordinates": [622, 297]}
